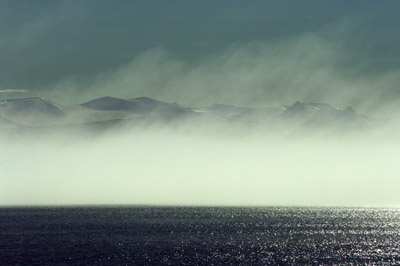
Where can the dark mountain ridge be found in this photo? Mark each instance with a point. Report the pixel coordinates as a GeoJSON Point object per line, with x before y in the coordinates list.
{"type": "Point", "coordinates": [112, 111]}
{"type": "Point", "coordinates": [30, 106]}
{"type": "Point", "coordinates": [143, 105]}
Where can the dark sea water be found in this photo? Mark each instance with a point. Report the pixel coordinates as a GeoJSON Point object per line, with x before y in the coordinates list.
{"type": "Point", "coordinates": [193, 236]}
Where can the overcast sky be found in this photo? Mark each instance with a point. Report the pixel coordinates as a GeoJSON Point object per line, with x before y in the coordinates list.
{"type": "Point", "coordinates": [61, 48]}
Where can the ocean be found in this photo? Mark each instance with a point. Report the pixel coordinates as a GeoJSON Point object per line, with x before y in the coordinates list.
{"type": "Point", "coordinates": [143, 235]}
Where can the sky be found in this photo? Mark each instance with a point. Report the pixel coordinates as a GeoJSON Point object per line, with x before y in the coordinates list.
{"type": "Point", "coordinates": [248, 53]}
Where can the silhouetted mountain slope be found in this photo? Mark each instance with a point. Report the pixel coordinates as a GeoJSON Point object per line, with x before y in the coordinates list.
{"type": "Point", "coordinates": [30, 111]}
{"type": "Point", "coordinates": [30, 106]}
{"type": "Point", "coordinates": [318, 112]}
{"type": "Point", "coordinates": [142, 105]}
{"type": "Point", "coordinates": [108, 103]}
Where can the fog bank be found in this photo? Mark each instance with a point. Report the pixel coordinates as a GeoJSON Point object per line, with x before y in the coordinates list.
{"type": "Point", "coordinates": [179, 167]}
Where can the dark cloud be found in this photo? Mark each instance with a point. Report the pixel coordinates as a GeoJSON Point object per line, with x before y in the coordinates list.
{"type": "Point", "coordinates": [46, 42]}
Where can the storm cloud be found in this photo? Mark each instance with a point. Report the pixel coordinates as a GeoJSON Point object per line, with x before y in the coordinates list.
{"type": "Point", "coordinates": [277, 52]}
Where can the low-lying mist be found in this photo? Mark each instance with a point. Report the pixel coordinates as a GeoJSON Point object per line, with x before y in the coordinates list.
{"type": "Point", "coordinates": [199, 164]}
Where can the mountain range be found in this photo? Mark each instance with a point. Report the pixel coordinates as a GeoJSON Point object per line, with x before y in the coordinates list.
{"type": "Point", "coordinates": [106, 111]}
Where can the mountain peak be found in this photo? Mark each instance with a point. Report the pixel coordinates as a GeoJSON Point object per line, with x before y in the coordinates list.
{"type": "Point", "coordinates": [296, 107]}
{"type": "Point", "coordinates": [107, 103]}
{"type": "Point", "coordinates": [141, 105]}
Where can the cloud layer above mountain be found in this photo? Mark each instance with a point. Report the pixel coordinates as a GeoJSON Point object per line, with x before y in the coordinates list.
{"type": "Point", "coordinates": [251, 53]}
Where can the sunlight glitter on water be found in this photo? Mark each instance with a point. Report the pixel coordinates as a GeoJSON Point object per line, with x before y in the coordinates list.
{"type": "Point", "coordinates": [191, 235]}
